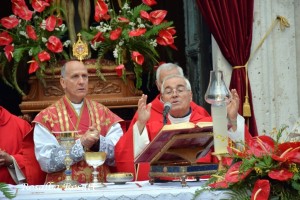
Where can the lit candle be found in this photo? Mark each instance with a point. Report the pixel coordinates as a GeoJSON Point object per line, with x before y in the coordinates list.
{"type": "Point", "coordinates": [220, 134]}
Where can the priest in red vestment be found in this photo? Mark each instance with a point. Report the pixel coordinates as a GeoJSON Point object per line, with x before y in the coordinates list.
{"type": "Point", "coordinates": [148, 121]}
{"type": "Point", "coordinates": [17, 159]}
{"type": "Point", "coordinates": [95, 127]}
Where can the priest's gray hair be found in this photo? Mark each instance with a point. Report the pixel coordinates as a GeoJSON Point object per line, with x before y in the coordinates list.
{"type": "Point", "coordinates": [187, 82]}
{"type": "Point", "coordinates": [167, 67]}
{"type": "Point", "coordinates": [63, 71]}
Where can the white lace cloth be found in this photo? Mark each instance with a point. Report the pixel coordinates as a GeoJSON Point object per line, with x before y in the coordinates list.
{"type": "Point", "coordinates": [141, 190]}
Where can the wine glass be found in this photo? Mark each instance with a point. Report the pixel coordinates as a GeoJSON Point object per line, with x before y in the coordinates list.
{"type": "Point", "coordinates": [95, 159]}
{"type": "Point", "coordinates": [67, 140]}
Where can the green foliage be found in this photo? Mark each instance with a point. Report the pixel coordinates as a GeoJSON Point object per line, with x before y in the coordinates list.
{"type": "Point", "coordinates": [6, 191]}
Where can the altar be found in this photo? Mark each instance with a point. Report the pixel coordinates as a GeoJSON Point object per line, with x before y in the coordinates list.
{"type": "Point", "coordinates": [140, 190]}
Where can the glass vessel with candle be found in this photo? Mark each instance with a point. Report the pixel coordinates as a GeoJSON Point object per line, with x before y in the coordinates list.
{"type": "Point", "coordinates": [218, 96]}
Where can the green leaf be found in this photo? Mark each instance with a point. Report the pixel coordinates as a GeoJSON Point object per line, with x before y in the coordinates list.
{"type": "Point", "coordinates": [6, 191]}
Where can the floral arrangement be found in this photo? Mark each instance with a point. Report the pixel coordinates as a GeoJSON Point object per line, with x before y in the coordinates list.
{"type": "Point", "coordinates": [4, 188]}
{"type": "Point", "coordinates": [32, 37]}
{"type": "Point", "coordinates": [266, 169]}
{"type": "Point", "coordinates": [132, 35]}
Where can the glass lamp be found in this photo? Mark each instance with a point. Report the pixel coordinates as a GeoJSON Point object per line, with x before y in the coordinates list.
{"type": "Point", "coordinates": [218, 96]}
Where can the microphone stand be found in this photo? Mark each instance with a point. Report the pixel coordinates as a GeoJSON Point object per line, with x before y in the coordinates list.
{"type": "Point", "coordinates": [165, 118]}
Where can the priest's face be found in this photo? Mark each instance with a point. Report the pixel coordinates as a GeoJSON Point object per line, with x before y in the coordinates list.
{"type": "Point", "coordinates": [176, 92]}
{"type": "Point", "coordinates": [75, 81]}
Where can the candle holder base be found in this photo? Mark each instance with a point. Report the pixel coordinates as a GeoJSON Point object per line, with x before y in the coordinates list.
{"type": "Point", "coordinates": [220, 157]}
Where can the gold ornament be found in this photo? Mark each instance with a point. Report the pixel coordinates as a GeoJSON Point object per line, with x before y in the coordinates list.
{"type": "Point", "coordinates": [80, 49]}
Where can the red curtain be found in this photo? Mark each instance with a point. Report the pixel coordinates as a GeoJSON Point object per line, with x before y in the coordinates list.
{"type": "Point", "coordinates": [230, 22]}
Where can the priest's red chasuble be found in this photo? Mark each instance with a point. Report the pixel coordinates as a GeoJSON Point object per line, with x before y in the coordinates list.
{"type": "Point", "coordinates": [61, 117]}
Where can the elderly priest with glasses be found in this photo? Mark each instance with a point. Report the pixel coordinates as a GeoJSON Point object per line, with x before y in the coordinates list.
{"type": "Point", "coordinates": [176, 90]}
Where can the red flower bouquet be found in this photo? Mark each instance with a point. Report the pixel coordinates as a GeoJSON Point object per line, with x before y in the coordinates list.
{"type": "Point", "coordinates": [266, 169]}
{"type": "Point", "coordinates": [132, 35]}
{"type": "Point", "coordinates": [32, 37]}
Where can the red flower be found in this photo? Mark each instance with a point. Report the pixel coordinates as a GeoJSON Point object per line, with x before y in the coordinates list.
{"type": "Point", "coordinates": [137, 32]}
{"type": "Point", "coordinates": [33, 66]}
{"type": "Point", "coordinates": [54, 44]}
{"type": "Point", "coordinates": [144, 15]}
{"type": "Point", "coordinates": [50, 23]}
{"type": "Point", "coordinates": [281, 175]}
{"type": "Point", "coordinates": [293, 156]}
{"type": "Point", "coordinates": [101, 10]}
{"type": "Point", "coordinates": [8, 50]}
{"type": "Point", "coordinates": [234, 175]}
{"type": "Point", "coordinates": [261, 190]}
{"type": "Point", "coordinates": [39, 5]}
{"type": "Point", "coordinates": [44, 56]}
{"type": "Point", "coordinates": [149, 2]}
{"type": "Point", "coordinates": [261, 145]}
{"type": "Point", "coordinates": [137, 57]}
{"type": "Point", "coordinates": [115, 34]}
{"type": "Point", "coordinates": [234, 151]}
{"type": "Point", "coordinates": [9, 22]}
{"type": "Point", "coordinates": [157, 16]}
{"type": "Point", "coordinates": [220, 184]}
{"type": "Point", "coordinates": [123, 19]}
{"type": "Point", "coordinates": [31, 32]}
{"type": "Point", "coordinates": [5, 38]}
{"type": "Point", "coordinates": [119, 69]}
{"type": "Point", "coordinates": [165, 38]}
{"type": "Point", "coordinates": [98, 38]}
{"type": "Point", "coordinates": [21, 10]}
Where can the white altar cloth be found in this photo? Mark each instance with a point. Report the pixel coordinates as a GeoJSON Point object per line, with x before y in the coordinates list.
{"type": "Point", "coordinates": [141, 190]}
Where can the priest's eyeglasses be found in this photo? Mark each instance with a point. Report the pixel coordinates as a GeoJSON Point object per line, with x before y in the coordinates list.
{"type": "Point", "coordinates": [170, 91]}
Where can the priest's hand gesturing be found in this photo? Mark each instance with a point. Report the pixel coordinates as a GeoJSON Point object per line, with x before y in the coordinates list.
{"type": "Point", "coordinates": [90, 137]}
{"type": "Point", "coordinates": [5, 159]}
{"type": "Point", "coordinates": [143, 112]}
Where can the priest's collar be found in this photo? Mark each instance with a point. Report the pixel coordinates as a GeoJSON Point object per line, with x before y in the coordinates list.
{"type": "Point", "coordinates": [176, 120]}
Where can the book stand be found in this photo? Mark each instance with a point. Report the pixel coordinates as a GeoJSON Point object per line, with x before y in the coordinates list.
{"type": "Point", "coordinates": [173, 153]}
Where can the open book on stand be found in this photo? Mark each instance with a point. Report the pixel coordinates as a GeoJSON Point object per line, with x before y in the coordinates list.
{"type": "Point", "coordinates": [178, 144]}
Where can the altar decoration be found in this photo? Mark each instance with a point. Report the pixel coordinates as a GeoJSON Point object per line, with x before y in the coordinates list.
{"type": "Point", "coordinates": [31, 38]}
{"type": "Point", "coordinates": [268, 168]}
{"type": "Point", "coordinates": [131, 35]}
{"type": "Point", "coordinates": [6, 191]}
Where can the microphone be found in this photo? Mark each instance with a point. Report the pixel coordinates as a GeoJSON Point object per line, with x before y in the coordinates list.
{"type": "Point", "coordinates": [167, 108]}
